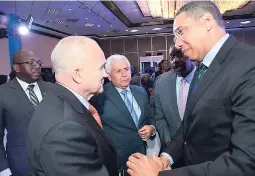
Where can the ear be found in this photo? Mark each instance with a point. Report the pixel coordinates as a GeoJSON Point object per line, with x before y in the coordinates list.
{"type": "Point", "coordinates": [208, 21]}
{"type": "Point", "coordinates": [77, 76]}
{"type": "Point", "coordinates": [16, 68]}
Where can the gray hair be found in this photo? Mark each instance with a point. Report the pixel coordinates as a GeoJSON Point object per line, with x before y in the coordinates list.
{"type": "Point", "coordinates": [196, 9]}
{"type": "Point", "coordinates": [115, 57]}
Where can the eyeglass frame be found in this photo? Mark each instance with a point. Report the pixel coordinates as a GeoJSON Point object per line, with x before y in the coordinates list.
{"type": "Point", "coordinates": [29, 62]}
{"type": "Point", "coordinates": [178, 33]}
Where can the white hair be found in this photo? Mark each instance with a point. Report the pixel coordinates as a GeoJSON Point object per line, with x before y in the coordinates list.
{"type": "Point", "coordinates": [115, 57]}
{"type": "Point", "coordinates": [70, 53]}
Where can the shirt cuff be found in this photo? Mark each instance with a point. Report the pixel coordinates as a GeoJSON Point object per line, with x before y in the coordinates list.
{"type": "Point", "coordinates": [168, 157]}
{"type": "Point", "coordinates": [154, 130]}
{"type": "Point", "coordinates": [6, 172]}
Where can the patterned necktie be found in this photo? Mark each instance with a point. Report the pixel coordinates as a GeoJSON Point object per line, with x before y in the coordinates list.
{"type": "Point", "coordinates": [130, 107]}
{"type": "Point", "coordinates": [33, 98]}
{"type": "Point", "coordinates": [198, 75]}
{"type": "Point", "coordinates": [182, 99]}
{"type": "Point", "coordinates": [95, 114]}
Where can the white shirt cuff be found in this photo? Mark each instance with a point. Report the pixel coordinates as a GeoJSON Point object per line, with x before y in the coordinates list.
{"type": "Point", "coordinates": [168, 157]}
{"type": "Point", "coordinates": [6, 172]}
{"type": "Point", "coordinates": [154, 132]}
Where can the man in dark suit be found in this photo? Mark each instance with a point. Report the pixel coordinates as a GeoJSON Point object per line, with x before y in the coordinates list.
{"type": "Point", "coordinates": [217, 135]}
{"type": "Point", "coordinates": [17, 104]}
{"type": "Point", "coordinates": [63, 137]}
{"type": "Point", "coordinates": [124, 110]}
{"type": "Point", "coordinates": [3, 79]}
{"type": "Point", "coordinates": [171, 91]}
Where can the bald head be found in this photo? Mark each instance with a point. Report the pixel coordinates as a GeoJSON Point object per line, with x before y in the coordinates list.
{"type": "Point", "coordinates": [73, 51]}
{"type": "Point", "coordinates": [22, 55]}
{"type": "Point", "coordinates": [79, 62]}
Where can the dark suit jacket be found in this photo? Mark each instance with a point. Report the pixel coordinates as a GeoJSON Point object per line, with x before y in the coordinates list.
{"type": "Point", "coordinates": [167, 116]}
{"type": "Point", "coordinates": [16, 111]}
{"type": "Point", "coordinates": [3, 79]}
{"type": "Point", "coordinates": [64, 139]}
{"type": "Point", "coordinates": [118, 123]}
{"type": "Point", "coordinates": [217, 136]}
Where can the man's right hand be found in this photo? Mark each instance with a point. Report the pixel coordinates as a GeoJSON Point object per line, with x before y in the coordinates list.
{"type": "Point", "coordinates": [165, 161]}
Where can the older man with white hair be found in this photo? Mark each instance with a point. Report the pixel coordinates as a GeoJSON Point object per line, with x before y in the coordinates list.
{"type": "Point", "coordinates": [65, 137]}
{"type": "Point", "coordinates": [124, 110]}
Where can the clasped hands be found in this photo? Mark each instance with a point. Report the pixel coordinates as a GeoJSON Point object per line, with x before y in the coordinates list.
{"type": "Point", "coordinates": [141, 165]}
{"type": "Point", "coordinates": [145, 132]}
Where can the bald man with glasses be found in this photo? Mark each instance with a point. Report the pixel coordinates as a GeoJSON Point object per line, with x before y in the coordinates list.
{"type": "Point", "coordinates": [18, 100]}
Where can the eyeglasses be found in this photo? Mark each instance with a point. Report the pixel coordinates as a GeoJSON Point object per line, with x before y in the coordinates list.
{"type": "Point", "coordinates": [179, 33]}
{"type": "Point", "coordinates": [33, 63]}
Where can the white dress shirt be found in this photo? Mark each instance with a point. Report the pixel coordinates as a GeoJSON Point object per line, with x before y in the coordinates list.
{"type": "Point", "coordinates": [24, 85]}
{"type": "Point", "coordinates": [207, 62]}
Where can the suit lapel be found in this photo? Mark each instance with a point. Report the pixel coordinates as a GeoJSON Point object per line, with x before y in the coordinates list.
{"type": "Point", "coordinates": [139, 99]}
{"type": "Point", "coordinates": [172, 94]}
{"type": "Point", "coordinates": [213, 70]}
{"type": "Point", "coordinates": [43, 88]}
{"type": "Point", "coordinates": [21, 96]}
{"type": "Point", "coordinates": [119, 103]}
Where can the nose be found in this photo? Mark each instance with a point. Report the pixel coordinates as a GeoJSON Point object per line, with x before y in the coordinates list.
{"type": "Point", "coordinates": [178, 43]}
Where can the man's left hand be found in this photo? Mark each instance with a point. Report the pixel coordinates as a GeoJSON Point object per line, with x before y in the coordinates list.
{"type": "Point", "coordinates": [145, 132]}
{"type": "Point", "coordinates": [141, 165]}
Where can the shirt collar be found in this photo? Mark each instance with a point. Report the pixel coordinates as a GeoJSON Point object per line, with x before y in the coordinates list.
{"type": "Point", "coordinates": [213, 52]}
{"type": "Point", "coordinates": [119, 89]}
{"type": "Point", "coordinates": [25, 85]}
{"type": "Point", "coordinates": [80, 97]}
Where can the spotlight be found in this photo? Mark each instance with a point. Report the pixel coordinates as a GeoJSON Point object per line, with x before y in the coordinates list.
{"type": "Point", "coordinates": [23, 30]}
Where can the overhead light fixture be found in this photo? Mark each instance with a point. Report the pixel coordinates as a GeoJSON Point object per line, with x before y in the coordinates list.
{"type": "Point", "coordinates": [147, 32]}
{"type": "Point", "coordinates": [245, 22]}
{"type": "Point", "coordinates": [227, 22]}
{"type": "Point", "coordinates": [23, 29]}
{"type": "Point", "coordinates": [105, 35]}
{"type": "Point", "coordinates": [54, 11]}
{"type": "Point", "coordinates": [98, 25]}
{"type": "Point", "coordinates": [89, 24]}
{"type": "Point", "coordinates": [156, 29]}
{"type": "Point", "coordinates": [58, 21]}
{"type": "Point", "coordinates": [241, 25]}
{"type": "Point", "coordinates": [134, 30]}
{"type": "Point", "coordinates": [127, 30]}
{"type": "Point", "coordinates": [86, 18]}
{"type": "Point", "coordinates": [69, 9]}
{"type": "Point", "coordinates": [168, 8]}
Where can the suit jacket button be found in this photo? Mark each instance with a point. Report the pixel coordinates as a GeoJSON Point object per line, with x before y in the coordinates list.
{"type": "Point", "coordinates": [185, 143]}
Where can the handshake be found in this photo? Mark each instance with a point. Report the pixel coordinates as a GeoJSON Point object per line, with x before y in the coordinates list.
{"type": "Point", "coordinates": [141, 165]}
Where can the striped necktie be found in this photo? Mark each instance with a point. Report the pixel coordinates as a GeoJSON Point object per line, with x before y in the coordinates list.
{"type": "Point", "coordinates": [130, 107]}
{"type": "Point", "coordinates": [198, 75]}
{"type": "Point", "coordinates": [33, 98]}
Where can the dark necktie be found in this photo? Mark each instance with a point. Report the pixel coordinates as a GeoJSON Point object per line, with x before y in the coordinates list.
{"type": "Point", "coordinates": [198, 75]}
{"type": "Point", "coordinates": [33, 98]}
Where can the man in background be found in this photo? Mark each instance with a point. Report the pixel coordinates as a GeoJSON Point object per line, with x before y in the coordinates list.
{"type": "Point", "coordinates": [124, 111]}
{"type": "Point", "coordinates": [18, 100]}
{"type": "Point", "coordinates": [171, 92]}
{"type": "Point", "coordinates": [65, 136]}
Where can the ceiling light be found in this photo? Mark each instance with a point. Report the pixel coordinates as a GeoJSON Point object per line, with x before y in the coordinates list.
{"type": "Point", "coordinates": [53, 11]}
{"type": "Point", "coordinates": [241, 25]}
{"type": "Point", "coordinates": [127, 30]}
{"type": "Point", "coordinates": [98, 25]}
{"type": "Point", "coordinates": [245, 22]}
{"type": "Point", "coordinates": [156, 29]}
{"type": "Point", "coordinates": [58, 21]}
{"type": "Point", "coordinates": [227, 22]}
{"type": "Point", "coordinates": [105, 35]}
{"type": "Point", "coordinates": [89, 24]}
{"type": "Point", "coordinates": [168, 8]}
{"type": "Point", "coordinates": [86, 18]}
{"type": "Point", "coordinates": [69, 9]}
{"type": "Point", "coordinates": [23, 30]}
{"type": "Point", "coordinates": [147, 32]}
{"type": "Point", "coordinates": [134, 30]}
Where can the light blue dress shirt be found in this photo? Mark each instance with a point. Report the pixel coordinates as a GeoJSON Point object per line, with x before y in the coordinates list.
{"type": "Point", "coordinates": [132, 99]}
{"type": "Point", "coordinates": [207, 62]}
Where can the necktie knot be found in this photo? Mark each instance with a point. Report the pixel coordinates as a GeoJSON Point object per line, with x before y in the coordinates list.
{"type": "Point", "coordinates": [30, 87]}
{"type": "Point", "coordinates": [202, 67]}
{"type": "Point", "coordinates": [124, 92]}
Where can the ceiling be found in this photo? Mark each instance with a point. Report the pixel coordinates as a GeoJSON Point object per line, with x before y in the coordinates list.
{"type": "Point", "coordinates": [101, 19]}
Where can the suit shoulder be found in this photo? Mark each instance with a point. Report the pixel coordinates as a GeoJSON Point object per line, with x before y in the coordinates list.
{"type": "Point", "coordinates": [163, 77]}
